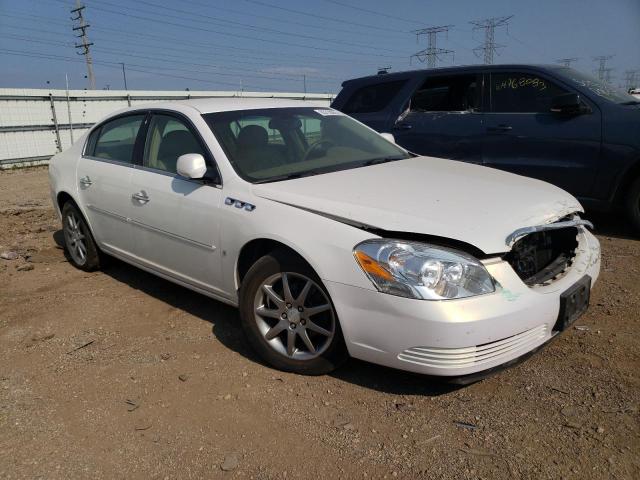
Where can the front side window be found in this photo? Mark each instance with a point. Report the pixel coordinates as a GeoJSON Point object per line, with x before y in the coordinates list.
{"type": "Point", "coordinates": [117, 139]}
{"type": "Point", "coordinates": [457, 93]}
{"type": "Point", "coordinates": [519, 92]}
{"type": "Point", "coordinates": [597, 87]}
{"type": "Point", "coordinates": [372, 98]}
{"type": "Point", "coordinates": [279, 143]}
{"type": "Point", "coordinates": [167, 139]}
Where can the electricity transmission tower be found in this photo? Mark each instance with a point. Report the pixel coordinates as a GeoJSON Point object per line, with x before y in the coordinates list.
{"type": "Point", "coordinates": [489, 46]}
{"type": "Point", "coordinates": [567, 61]}
{"type": "Point", "coordinates": [604, 73]}
{"type": "Point", "coordinates": [631, 79]}
{"type": "Point", "coordinates": [432, 53]}
{"type": "Point", "coordinates": [81, 26]}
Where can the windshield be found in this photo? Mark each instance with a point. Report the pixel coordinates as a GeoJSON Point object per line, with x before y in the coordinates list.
{"type": "Point", "coordinates": [281, 143]}
{"type": "Point", "coordinates": [594, 85]}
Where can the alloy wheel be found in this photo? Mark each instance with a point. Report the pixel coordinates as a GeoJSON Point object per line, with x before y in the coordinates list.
{"type": "Point", "coordinates": [75, 238]}
{"type": "Point", "coordinates": [294, 315]}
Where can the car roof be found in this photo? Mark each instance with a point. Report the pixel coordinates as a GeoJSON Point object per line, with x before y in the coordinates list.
{"type": "Point", "coordinates": [211, 105]}
{"type": "Point", "coordinates": [384, 77]}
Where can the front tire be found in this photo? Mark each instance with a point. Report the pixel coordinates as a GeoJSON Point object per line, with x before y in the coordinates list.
{"type": "Point", "coordinates": [288, 316]}
{"type": "Point", "coordinates": [633, 205]}
{"type": "Point", "coordinates": [80, 247]}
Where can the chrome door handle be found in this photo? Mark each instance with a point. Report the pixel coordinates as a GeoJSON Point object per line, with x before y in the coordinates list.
{"type": "Point", "coordinates": [85, 181]}
{"type": "Point", "coordinates": [141, 196]}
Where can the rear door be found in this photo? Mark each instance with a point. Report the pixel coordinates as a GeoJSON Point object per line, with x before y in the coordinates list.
{"type": "Point", "coordinates": [104, 176]}
{"type": "Point", "coordinates": [444, 118]}
{"type": "Point", "coordinates": [523, 136]}
{"type": "Point", "coordinates": [176, 224]}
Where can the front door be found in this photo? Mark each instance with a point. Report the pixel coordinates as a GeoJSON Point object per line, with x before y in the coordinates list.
{"type": "Point", "coordinates": [523, 136]}
{"type": "Point", "coordinates": [104, 175]}
{"type": "Point", "coordinates": [444, 119]}
{"type": "Point", "coordinates": [176, 221]}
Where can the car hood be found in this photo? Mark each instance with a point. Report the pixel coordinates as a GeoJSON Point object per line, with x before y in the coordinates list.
{"type": "Point", "coordinates": [425, 195]}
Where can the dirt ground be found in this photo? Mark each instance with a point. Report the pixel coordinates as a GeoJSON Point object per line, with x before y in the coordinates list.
{"type": "Point", "coordinates": [119, 374]}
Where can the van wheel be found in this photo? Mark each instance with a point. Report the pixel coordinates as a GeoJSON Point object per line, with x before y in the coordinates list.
{"type": "Point", "coordinates": [79, 245]}
{"type": "Point", "coordinates": [288, 316]}
{"type": "Point", "coordinates": [633, 205]}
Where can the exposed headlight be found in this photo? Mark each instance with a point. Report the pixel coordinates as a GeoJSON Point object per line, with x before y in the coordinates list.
{"type": "Point", "coordinates": [423, 271]}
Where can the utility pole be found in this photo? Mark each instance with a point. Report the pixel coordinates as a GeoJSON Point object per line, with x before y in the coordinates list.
{"type": "Point", "coordinates": [631, 79]}
{"type": "Point", "coordinates": [603, 72]}
{"type": "Point", "coordinates": [432, 53]}
{"type": "Point", "coordinates": [489, 46]}
{"type": "Point", "coordinates": [82, 26]}
{"type": "Point", "coordinates": [124, 76]}
{"type": "Point", "coordinates": [567, 61]}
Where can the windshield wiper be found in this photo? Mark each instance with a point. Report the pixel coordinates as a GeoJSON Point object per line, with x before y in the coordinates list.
{"type": "Point", "coordinates": [290, 176]}
{"type": "Point", "coordinates": [376, 161]}
{"type": "Point", "coordinates": [631, 102]}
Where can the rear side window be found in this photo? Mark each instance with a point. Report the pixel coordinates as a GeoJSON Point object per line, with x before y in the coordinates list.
{"type": "Point", "coordinates": [456, 93]}
{"type": "Point", "coordinates": [372, 98]}
{"type": "Point", "coordinates": [518, 92]}
{"type": "Point", "coordinates": [116, 139]}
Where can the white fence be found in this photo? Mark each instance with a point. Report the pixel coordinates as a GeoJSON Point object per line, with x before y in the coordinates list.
{"type": "Point", "coordinates": [36, 124]}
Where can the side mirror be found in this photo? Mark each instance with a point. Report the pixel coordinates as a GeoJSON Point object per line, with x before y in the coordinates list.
{"type": "Point", "coordinates": [568, 104]}
{"type": "Point", "coordinates": [191, 165]}
{"type": "Point", "coordinates": [389, 137]}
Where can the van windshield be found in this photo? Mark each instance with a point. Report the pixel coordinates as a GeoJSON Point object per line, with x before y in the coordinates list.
{"type": "Point", "coordinates": [598, 87]}
{"type": "Point", "coordinates": [274, 144]}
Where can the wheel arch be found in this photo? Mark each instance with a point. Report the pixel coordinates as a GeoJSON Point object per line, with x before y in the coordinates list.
{"type": "Point", "coordinates": [63, 197]}
{"type": "Point", "coordinates": [257, 248]}
{"type": "Point", "coordinates": [632, 173]}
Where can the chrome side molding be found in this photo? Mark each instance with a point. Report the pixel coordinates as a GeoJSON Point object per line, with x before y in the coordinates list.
{"type": "Point", "coordinates": [521, 232]}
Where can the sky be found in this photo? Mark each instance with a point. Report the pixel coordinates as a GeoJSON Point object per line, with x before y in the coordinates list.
{"type": "Point", "coordinates": [293, 46]}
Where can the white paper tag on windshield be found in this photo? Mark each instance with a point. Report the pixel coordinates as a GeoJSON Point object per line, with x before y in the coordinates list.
{"type": "Point", "coordinates": [326, 112]}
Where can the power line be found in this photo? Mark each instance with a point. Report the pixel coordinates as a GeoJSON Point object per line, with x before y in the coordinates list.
{"type": "Point", "coordinates": [567, 61]}
{"type": "Point", "coordinates": [489, 47]}
{"type": "Point", "coordinates": [233, 31]}
{"type": "Point", "coordinates": [604, 73]}
{"type": "Point", "coordinates": [314, 15]}
{"type": "Point", "coordinates": [287, 21]}
{"type": "Point", "coordinates": [372, 12]}
{"type": "Point", "coordinates": [316, 59]}
{"type": "Point", "coordinates": [82, 26]}
{"type": "Point", "coordinates": [432, 53]}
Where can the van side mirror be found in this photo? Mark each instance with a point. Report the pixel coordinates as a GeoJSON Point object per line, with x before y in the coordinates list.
{"type": "Point", "coordinates": [191, 165]}
{"type": "Point", "coordinates": [389, 137]}
{"type": "Point", "coordinates": [568, 104]}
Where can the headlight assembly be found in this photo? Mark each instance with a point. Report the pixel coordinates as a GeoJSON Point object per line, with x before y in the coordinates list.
{"type": "Point", "coordinates": [422, 271]}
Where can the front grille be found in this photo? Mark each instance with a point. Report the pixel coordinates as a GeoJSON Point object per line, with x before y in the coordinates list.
{"type": "Point", "coordinates": [500, 350]}
{"type": "Point", "coordinates": [539, 258]}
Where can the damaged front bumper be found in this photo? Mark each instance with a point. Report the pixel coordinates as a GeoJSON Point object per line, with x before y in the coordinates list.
{"type": "Point", "coordinates": [459, 337]}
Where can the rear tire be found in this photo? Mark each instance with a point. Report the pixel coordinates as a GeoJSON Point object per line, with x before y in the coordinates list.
{"type": "Point", "coordinates": [632, 205]}
{"type": "Point", "coordinates": [288, 316]}
{"type": "Point", "coordinates": [79, 245]}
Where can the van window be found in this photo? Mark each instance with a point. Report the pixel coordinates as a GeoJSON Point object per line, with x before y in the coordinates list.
{"type": "Point", "coordinates": [518, 92]}
{"type": "Point", "coordinates": [456, 93]}
{"type": "Point", "coordinates": [373, 98]}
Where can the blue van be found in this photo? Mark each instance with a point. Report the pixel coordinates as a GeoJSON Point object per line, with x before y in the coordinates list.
{"type": "Point", "coordinates": [548, 122]}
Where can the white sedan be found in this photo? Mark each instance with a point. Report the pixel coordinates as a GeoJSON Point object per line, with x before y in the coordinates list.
{"type": "Point", "coordinates": [329, 238]}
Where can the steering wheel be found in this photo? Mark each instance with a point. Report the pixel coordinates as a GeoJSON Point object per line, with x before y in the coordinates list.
{"type": "Point", "coordinates": [316, 146]}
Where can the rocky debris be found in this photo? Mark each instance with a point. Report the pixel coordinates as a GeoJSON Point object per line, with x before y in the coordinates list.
{"type": "Point", "coordinates": [9, 255]}
{"type": "Point", "coordinates": [466, 425]}
{"type": "Point", "coordinates": [49, 255]}
{"type": "Point", "coordinates": [165, 356]}
{"type": "Point", "coordinates": [25, 267]}
{"type": "Point", "coordinates": [131, 405]}
{"type": "Point", "coordinates": [230, 462]}
{"type": "Point", "coordinates": [183, 377]}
